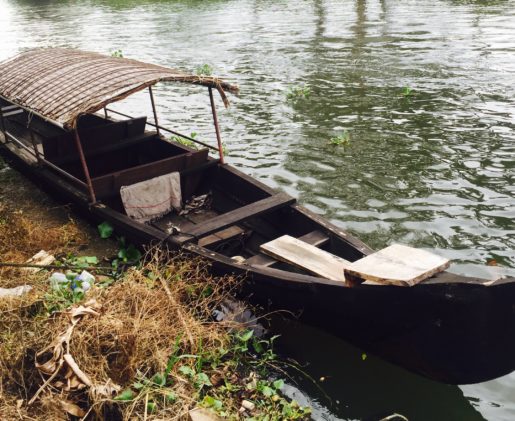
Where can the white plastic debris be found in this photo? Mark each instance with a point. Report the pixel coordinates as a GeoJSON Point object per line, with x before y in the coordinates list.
{"type": "Point", "coordinates": [248, 405]}
{"type": "Point", "coordinates": [85, 276]}
{"type": "Point", "coordinates": [15, 292]}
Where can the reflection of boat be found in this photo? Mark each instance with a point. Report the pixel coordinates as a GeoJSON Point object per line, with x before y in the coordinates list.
{"type": "Point", "coordinates": [451, 328]}
{"type": "Point", "coordinates": [367, 388]}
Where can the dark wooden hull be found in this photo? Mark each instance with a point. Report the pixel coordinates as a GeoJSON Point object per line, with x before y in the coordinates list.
{"type": "Point", "coordinates": [450, 328]}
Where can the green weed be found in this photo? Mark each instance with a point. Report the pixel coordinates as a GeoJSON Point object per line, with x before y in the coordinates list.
{"type": "Point", "coordinates": [343, 139]}
{"type": "Point", "coordinates": [204, 70]}
{"type": "Point", "coordinates": [221, 380]}
{"type": "Point", "coordinates": [298, 92]}
{"type": "Point", "coordinates": [105, 230]}
{"type": "Point", "coordinates": [127, 254]}
{"type": "Point", "coordinates": [117, 54]}
{"type": "Point", "coordinates": [186, 142]}
{"type": "Point", "coordinates": [407, 91]}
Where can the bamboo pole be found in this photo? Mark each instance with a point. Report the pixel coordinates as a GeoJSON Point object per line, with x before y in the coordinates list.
{"type": "Point", "coordinates": [154, 109]}
{"type": "Point", "coordinates": [217, 129]}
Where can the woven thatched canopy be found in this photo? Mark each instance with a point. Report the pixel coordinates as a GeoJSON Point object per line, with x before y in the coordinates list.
{"type": "Point", "coordinates": [61, 84]}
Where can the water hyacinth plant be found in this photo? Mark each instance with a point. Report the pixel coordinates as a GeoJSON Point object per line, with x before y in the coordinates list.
{"type": "Point", "coordinates": [204, 70]}
{"type": "Point", "coordinates": [298, 92]}
{"type": "Point", "coordinates": [342, 139]}
{"type": "Point", "coordinates": [407, 91]}
{"type": "Point", "coordinates": [117, 54]}
{"type": "Point", "coordinates": [186, 142]}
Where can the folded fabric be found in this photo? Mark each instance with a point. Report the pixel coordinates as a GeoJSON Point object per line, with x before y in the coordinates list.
{"type": "Point", "coordinates": [152, 198]}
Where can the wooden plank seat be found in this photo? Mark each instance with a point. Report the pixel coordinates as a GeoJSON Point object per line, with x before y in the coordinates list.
{"type": "Point", "coordinates": [307, 257]}
{"type": "Point", "coordinates": [109, 185]}
{"type": "Point", "coordinates": [111, 147]}
{"type": "Point", "coordinates": [315, 238]}
{"type": "Point", "coordinates": [238, 215]}
{"type": "Point", "coordinates": [62, 146]}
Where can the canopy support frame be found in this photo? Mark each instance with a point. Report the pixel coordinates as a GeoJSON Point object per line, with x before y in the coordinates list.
{"type": "Point", "coordinates": [2, 124]}
{"type": "Point", "coordinates": [154, 110]}
{"type": "Point", "coordinates": [34, 144]}
{"type": "Point", "coordinates": [82, 157]}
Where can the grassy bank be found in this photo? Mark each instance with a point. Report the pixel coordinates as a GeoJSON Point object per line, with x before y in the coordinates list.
{"type": "Point", "coordinates": [141, 344]}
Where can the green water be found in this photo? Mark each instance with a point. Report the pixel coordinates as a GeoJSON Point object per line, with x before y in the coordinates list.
{"type": "Point", "coordinates": [433, 169]}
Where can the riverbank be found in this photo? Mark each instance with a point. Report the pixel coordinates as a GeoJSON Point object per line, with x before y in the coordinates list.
{"type": "Point", "coordinates": [138, 343]}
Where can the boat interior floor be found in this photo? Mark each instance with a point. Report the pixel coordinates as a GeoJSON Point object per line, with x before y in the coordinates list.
{"type": "Point", "coordinates": [173, 222]}
{"type": "Point", "coordinates": [234, 240]}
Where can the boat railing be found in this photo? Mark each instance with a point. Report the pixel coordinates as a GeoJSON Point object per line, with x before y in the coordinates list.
{"type": "Point", "coordinates": [166, 130]}
{"type": "Point", "coordinates": [14, 109]}
{"type": "Point", "coordinates": [38, 157]}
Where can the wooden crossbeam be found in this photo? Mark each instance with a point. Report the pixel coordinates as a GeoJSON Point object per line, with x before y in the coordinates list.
{"type": "Point", "coordinates": [10, 113]}
{"type": "Point", "coordinates": [8, 108]}
{"type": "Point", "coordinates": [225, 220]}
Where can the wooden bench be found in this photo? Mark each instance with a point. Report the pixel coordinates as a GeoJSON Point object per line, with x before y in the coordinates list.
{"type": "Point", "coordinates": [63, 146]}
{"type": "Point", "coordinates": [109, 185]}
{"type": "Point", "coordinates": [315, 238]}
{"type": "Point", "coordinates": [110, 147]}
{"type": "Point", "coordinates": [228, 219]}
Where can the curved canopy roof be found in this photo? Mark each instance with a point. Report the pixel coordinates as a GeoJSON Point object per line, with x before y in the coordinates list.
{"type": "Point", "coordinates": [61, 84]}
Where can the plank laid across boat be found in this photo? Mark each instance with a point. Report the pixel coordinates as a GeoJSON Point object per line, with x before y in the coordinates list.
{"type": "Point", "coordinates": [447, 327]}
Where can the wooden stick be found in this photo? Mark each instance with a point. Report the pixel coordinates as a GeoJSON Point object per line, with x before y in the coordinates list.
{"type": "Point", "coordinates": [30, 265]}
{"type": "Point", "coordinates": [217, 129]}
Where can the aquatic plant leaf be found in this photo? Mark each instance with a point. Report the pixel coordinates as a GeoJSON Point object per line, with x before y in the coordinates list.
{"type": "Point", "coordinates": [90, 260]}
{"type": "Point", "coordinates": [202, 380]}
{"type": "Point", "coordinates": [246, 336]}
{"type": "Point", "coordinates": [126, 395]}
{"type": "Point", "coordinates": [159, 379]}
{"type": "Point", "coordinates": [151, 407]}
{"type": "Point", "coordinates": [133, 254]}
{"type": "Point", "coordinates": [188, 371]}
{"type": "Point", "coordinates": [267, 391]}
{"type": "Point", "coordinates": [211, 402]}
{"type": "Point", "coordinates": [278, 384]}
{"type": "Point", "coordinates": [171, 397]}
{"type": "Point", "coordinates": [138, 385]}
{"type": "Point", "coordinates": [105, 229]}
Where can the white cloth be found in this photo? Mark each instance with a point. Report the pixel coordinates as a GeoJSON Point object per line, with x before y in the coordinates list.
{"type": "Point", "coordinates": [152, 198]}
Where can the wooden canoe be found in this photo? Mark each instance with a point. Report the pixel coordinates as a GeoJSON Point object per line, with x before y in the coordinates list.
{"type": "Point", "coordinates": [450, 328]}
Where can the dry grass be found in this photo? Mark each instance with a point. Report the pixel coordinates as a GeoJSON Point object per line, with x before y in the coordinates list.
{"type": "Point", "coordinates": [152, 313]}
{"type": "Point", "coordinates": [22, 236]}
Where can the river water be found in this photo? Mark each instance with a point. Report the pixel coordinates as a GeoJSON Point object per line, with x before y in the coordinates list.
{"type": "Point", "coordinates": [425, 91]}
